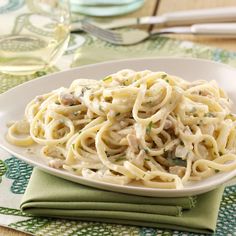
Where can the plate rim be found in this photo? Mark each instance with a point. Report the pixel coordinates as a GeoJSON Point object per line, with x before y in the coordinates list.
{"type": "Point", "coordinates": [118, 61]}
{"type": "Point", "coordinates": [135, 190]}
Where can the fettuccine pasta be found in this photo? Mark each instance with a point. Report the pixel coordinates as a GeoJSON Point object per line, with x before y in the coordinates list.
{"type": "Point", "coordinates": [133, 126]}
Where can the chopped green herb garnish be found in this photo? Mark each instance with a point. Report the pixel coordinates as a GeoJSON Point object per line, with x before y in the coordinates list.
{"type": "Point", "coordinates": [58, 103]}
{"type": "Point", "coordinates": [146, 150]}
{"type": "Point", "coordinates": [126, 82]}
{"type": "Point", "coordinates": [73, 146]}
{"type": "Point", "coordinates": [40, 73]}
{"type": "Point", "coordinates": [146, 159]}
{"type": "Point", "coordinates": [209, 114]}
{"type": "Point", "coordinates": [181, 142]}
{"type": "Point", "coordinates": [117, 114]}
{"type": "Point", "coordinates": [180, 162]}
{"type": "Point", "coordinates": [220, 153]}
{"type": "Point", "coordinates": [120, 159]}
{"type": "Point", "coordinates": [83, 90]}
{"type": "Point", "coordinates": [163, 76]}
{"type": "Point", "coordinates": [149, 127]}
{"type": "Point", "coordinates": [107, 79]}
{"type": "Point", "coordinates": [74, 169]}
{"type": "Point", "coordinates": [231, 116]}
{"type": "Point", "coordinates": [100, 108]}
{"type": "Point", "coordinates": [176, 161]}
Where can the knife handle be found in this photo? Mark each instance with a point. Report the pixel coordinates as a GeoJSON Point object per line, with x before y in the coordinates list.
{"type": "Point", "coordinates": [225, 14]}
{"type": "Point", "coordinates": [213, 15]}
{"type": "Point", "coordinates": [220, 29]}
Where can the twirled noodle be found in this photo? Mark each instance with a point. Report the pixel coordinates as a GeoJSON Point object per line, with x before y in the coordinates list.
{"type": "Point", "coordinates": [133, 126]}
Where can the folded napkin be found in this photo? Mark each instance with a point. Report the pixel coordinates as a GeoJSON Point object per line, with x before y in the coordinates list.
{"type": "Point", "coordinates": [50, 196]}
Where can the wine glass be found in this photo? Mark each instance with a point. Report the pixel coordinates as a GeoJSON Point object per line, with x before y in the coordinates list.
{"type": "Point", "coordinates": [33, 34]}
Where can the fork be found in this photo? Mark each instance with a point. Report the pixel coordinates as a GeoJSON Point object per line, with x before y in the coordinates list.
{"type": "Point", "coordinates": [135, 36]}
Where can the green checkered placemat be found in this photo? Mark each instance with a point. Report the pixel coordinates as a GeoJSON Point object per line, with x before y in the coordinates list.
{"type": "Point", "coordinates": [14, 174]}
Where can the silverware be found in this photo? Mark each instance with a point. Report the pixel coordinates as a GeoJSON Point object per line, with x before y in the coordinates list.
{"type": "Point", "coordinates": [135, 36]}
{"type": "Point", "coordinates": [226, 14]}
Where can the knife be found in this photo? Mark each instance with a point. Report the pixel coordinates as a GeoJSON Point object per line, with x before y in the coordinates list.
{"type": "Point", "coordinates": [226, 14]}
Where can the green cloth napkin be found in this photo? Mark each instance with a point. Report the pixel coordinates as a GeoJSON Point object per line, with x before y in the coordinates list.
{"type": "Point", "coordinates": [47, 195]}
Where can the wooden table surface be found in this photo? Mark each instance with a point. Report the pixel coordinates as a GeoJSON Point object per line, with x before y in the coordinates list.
{"type": "Point", "coordinates": [158, 7]}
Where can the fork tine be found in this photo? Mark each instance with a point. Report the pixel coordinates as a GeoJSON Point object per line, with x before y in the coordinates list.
{"type": "Point", "coordinates": [101, 33]}
{"type": "Point", "coordinates": [100, 30]}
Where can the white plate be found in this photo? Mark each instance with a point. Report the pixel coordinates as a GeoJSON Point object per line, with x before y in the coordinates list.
{"type": "Point", "coordinates": [13, 102]}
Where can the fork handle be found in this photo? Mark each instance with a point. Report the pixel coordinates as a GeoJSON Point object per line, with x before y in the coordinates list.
{"type": "Point", "coordinates": [222, 29]}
